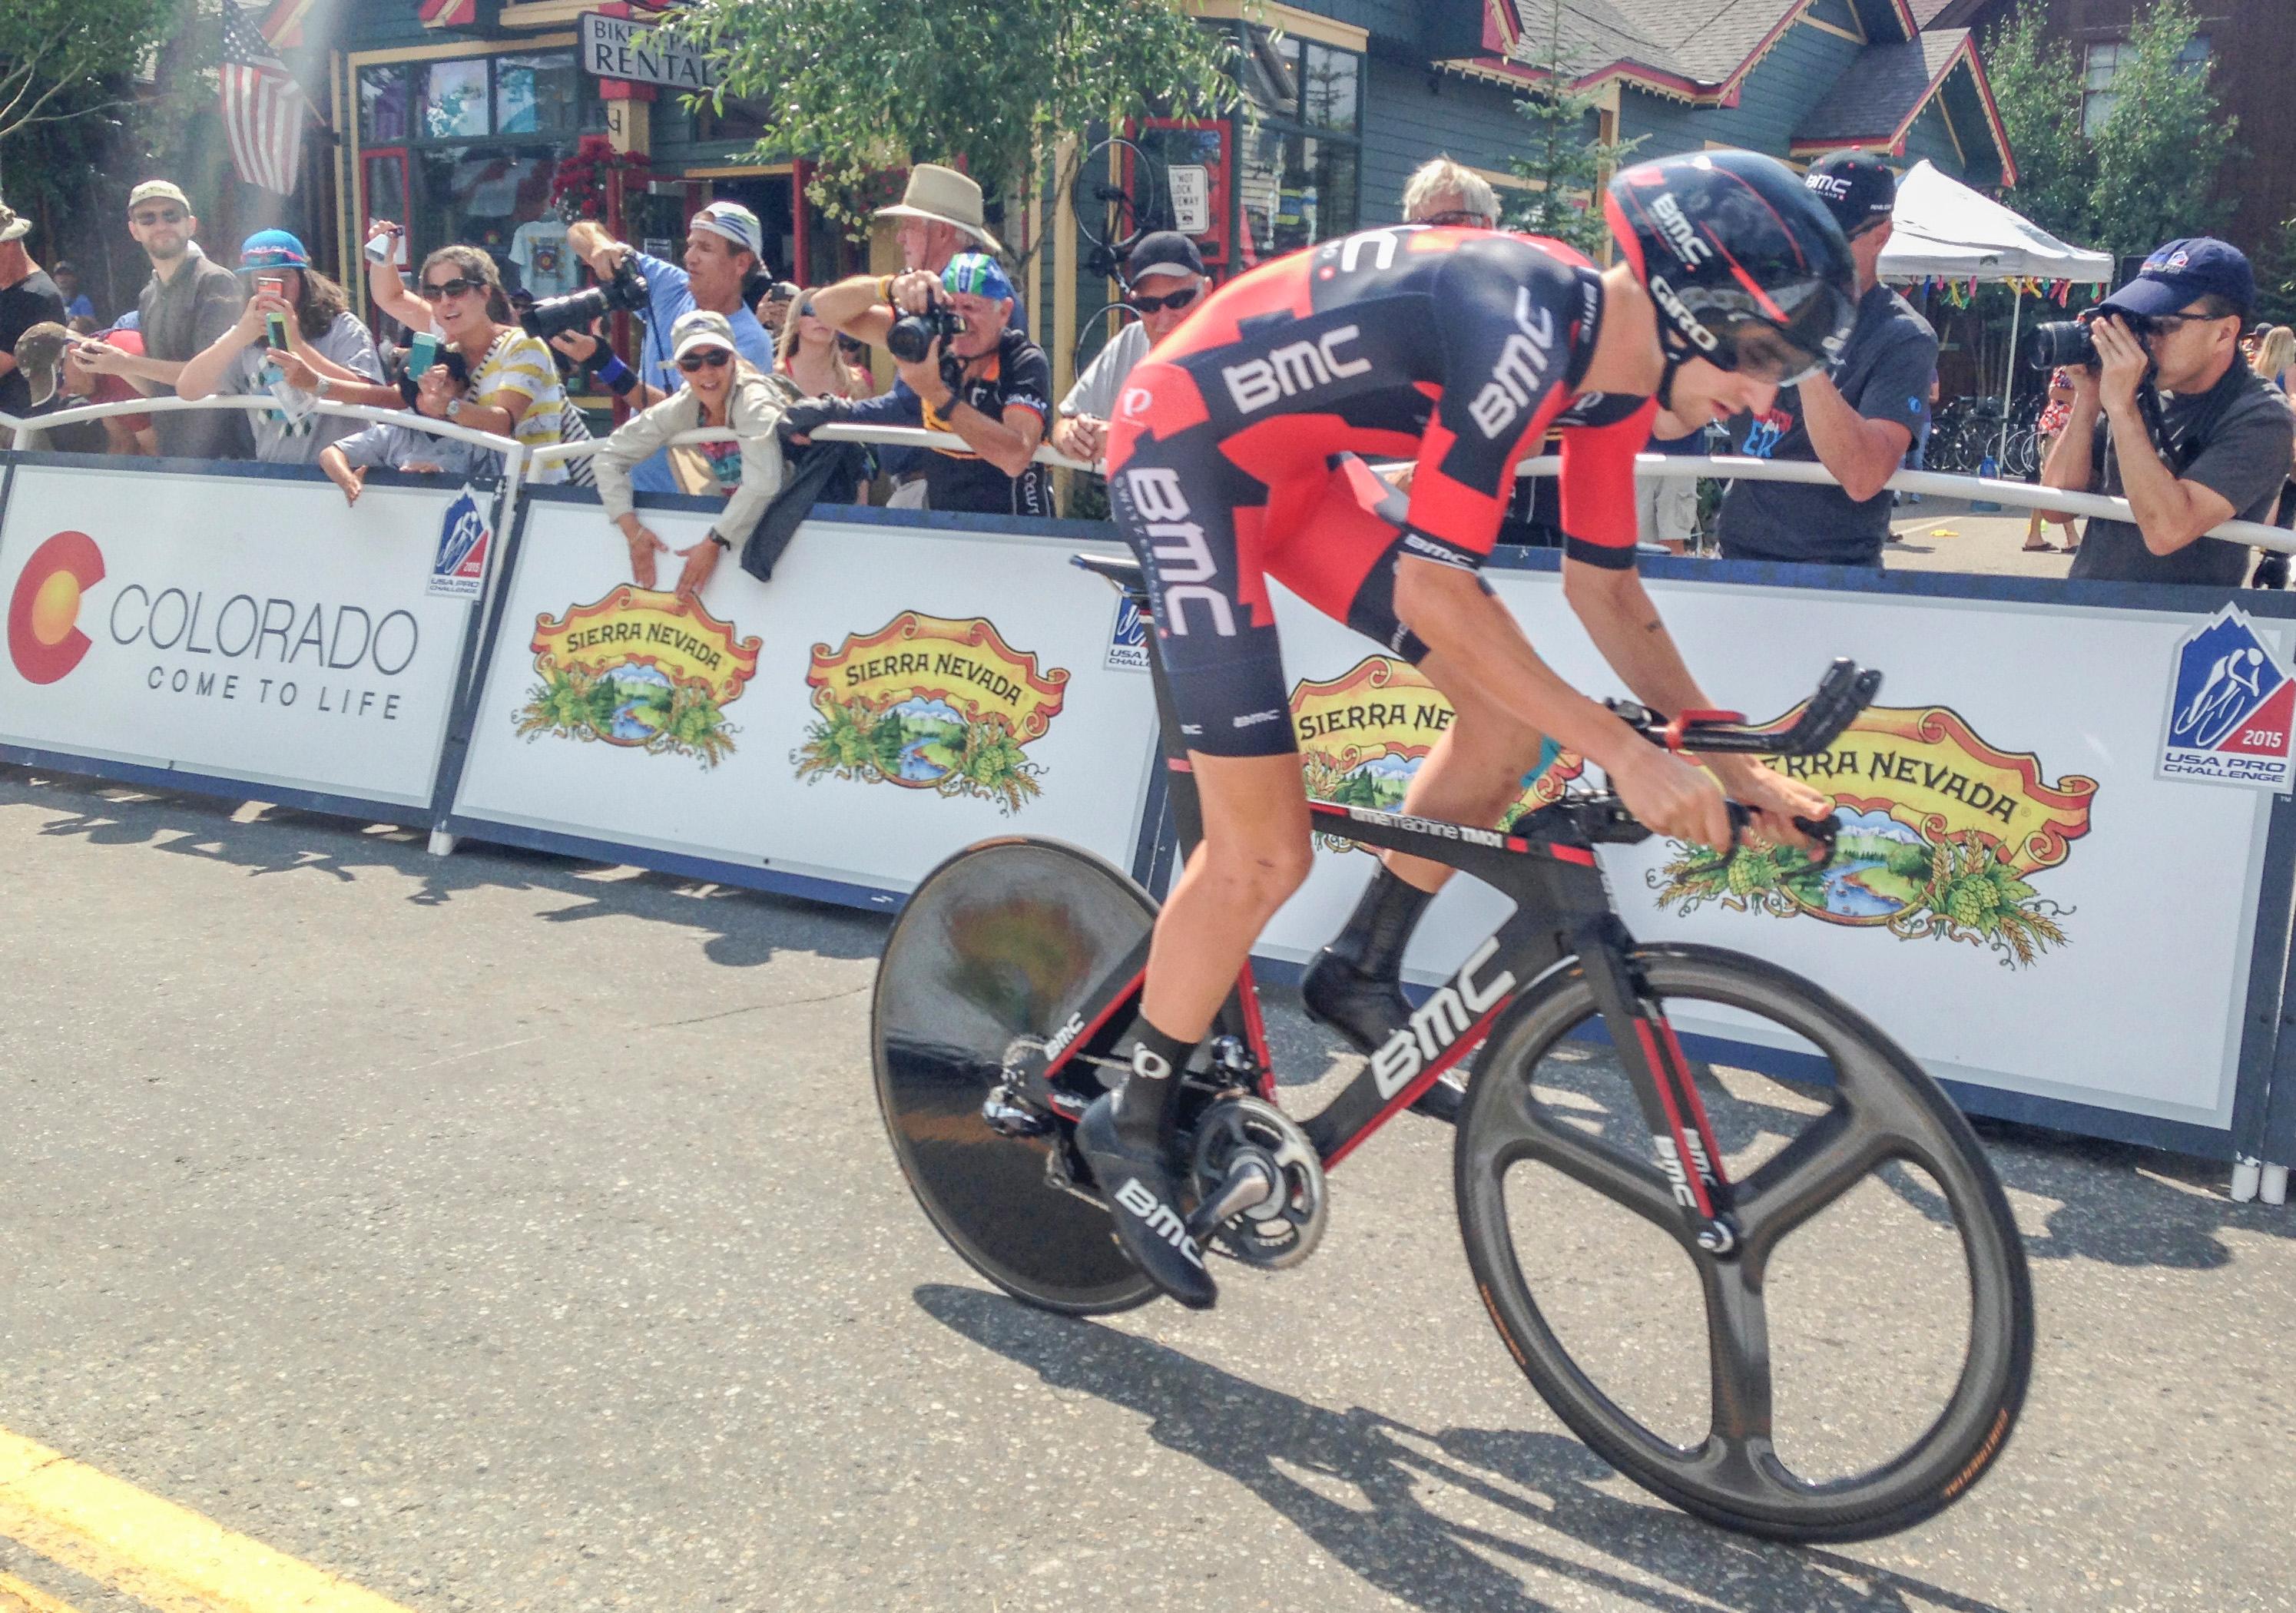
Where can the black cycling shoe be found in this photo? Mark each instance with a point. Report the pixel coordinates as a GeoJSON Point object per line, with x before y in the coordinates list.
{"type": "Point", "coordinates": [1368, 1010]}
{"type": "Point", "coordinates": [1149, 1222]}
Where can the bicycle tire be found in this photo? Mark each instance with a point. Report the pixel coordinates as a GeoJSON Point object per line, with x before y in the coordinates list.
{"type": "Point", "coordinates": [1098, 323]}
{"type": "Point", "coordinates": [1108, 215]}
{"type": "Point", "coordinates": [1734, 1478]}
{"type": "Point", "coordinates": [1001, 942]}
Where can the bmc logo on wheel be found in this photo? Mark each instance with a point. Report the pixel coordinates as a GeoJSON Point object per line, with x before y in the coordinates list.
{"type": "Point", "coordinates": [2230, 706]}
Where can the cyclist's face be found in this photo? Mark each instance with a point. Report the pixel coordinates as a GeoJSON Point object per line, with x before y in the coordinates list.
{"type": "Point", "coordinates": [1704, 393]}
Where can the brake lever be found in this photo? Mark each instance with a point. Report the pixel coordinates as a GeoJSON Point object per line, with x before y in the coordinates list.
{"type": "Point", "coordinates": [1824, 831]}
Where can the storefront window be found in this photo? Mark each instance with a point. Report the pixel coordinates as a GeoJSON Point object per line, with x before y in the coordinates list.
{"type": "Point", "coordinates": [383, 104]}
{"type": "Point", "coordinates": [1329, 89]}
{"type": "Point", "coordinates": [1299, 161]}
{"type": "Point", "coordinates": [455, 101]}
{"type": "Point", "coordinates": [480, 197]}
{"type": "Point", "coordinates": [1271, 72]}
{"type": "Point", "coordinates": [537, 95]}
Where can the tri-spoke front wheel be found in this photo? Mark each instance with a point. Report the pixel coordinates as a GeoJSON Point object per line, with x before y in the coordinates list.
{"type": "Point", "coordinates": [1858, 1360]}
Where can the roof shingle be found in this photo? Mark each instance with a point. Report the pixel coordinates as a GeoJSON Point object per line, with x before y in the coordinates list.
{"type": "Point", "coordinates": [1882, 88]}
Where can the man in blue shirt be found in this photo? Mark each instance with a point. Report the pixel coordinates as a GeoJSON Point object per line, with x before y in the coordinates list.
{"type": "Point", "coordinates": [724, 245]}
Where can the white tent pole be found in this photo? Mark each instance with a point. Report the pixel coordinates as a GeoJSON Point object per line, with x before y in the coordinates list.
{"type": "Point", "coordinates": [2009, 374]}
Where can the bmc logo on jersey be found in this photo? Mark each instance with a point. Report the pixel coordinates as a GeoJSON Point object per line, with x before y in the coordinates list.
{"type": "Point", "coordinates": [1296, 367]}
{"type": "Point", "coordinates": [1520, 375]}
{"type": "Point", "coordinates": [2230, 708]}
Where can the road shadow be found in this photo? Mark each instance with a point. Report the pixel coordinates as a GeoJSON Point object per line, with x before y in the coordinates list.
{"type": "Point", "coordinates": [743, 928]}
{"type": "Point", "coordinates": [1350, 1482]}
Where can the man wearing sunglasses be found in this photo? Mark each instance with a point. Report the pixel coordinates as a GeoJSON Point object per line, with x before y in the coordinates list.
{"type": "Point", "coordinates": [1858, 418]}
{"type": "Point", "coordinates": [187, 307]}
{"type": "Point", "coordinates": [1166, 274]}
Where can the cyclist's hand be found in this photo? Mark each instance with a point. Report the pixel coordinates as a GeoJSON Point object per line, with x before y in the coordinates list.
{"type": "Point", "coordinates": [1776, 801]}
{"type": "Point", "coordinates": [1674, 798]}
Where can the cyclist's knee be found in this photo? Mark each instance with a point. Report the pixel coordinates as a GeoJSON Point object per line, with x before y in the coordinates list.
{"type": "Point", "coordinates": [1260, 875]}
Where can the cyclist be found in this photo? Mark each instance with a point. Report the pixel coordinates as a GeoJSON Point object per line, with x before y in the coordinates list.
{"type": "Point", "coordinates": [1231, 460]}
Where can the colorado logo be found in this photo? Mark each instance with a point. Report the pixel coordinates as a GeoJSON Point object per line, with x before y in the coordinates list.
{"type": "Point", "coordinates": [43, 637]}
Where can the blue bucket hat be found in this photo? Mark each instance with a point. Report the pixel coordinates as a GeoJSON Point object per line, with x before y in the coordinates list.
{"type": "Point", "coordinates": [273, 250]}
{"type": "Point", "coordinates": [976, 274]}
{"type": "Point", "coordinates": [2176, 273]}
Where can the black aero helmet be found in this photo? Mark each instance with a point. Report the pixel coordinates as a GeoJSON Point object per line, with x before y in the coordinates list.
{"type": "Point", "coordinates": [1747, 268]}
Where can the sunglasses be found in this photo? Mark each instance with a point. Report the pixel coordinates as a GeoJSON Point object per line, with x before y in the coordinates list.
{"type": "Point", "coordinates": [1457, 218]}
{"type": "Point", "coordinates": [804, 310]}
{"type": "Point", "coordinates": [1177, 300]}
{"type": "Point", "coordinates": [716, 358]}
{"type": "Point", "coordinates": [450, 288]}
{"type": "Point", "coordinates": [172, 216]}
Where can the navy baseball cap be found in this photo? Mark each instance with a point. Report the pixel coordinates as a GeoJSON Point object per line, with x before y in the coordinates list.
{"type": "Point", "coordinates": [2176, 273]}
{"type": "Point", "coordinates": [1856, 187]}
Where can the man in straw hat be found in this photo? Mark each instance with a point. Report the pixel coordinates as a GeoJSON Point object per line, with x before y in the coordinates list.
{"type": "Point", "coordinates": [28, 297]}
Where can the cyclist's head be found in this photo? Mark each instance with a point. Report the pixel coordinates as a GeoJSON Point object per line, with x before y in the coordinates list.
{"type": "Point", "coordinates": [1747, 270]}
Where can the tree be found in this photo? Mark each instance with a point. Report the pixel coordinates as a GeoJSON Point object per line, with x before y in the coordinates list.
{"type": "Point", "coordinates": [2149, 172]}
{"type": "Point", "coordinates": [1568, 165]}
{"type": "Point", "coordinates": [51, 51]}
{"type": "Point", "coordinates": [867, 85]}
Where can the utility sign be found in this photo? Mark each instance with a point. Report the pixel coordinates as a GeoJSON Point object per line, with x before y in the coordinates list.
{"type": "Point", "coordinates": [614, 47]}
{"type": "Point", "coordinates": [1191, 198]}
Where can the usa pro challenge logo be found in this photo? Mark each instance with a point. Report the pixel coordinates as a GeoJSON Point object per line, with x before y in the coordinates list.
{"type": "Point", "coordinates": [459, 570]}
{"type": "Point", "coordinates": [2229, 714]}
{"type": "Point", "coordinates": [43, 637]}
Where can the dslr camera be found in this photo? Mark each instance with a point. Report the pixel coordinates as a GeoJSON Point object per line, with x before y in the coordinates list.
{"type": "Point", "coordinates": [914, 333]}
{"type": "Point", "coordinates": [2068, 342]}
{"type": "Point", "coordinates": [626, 293]}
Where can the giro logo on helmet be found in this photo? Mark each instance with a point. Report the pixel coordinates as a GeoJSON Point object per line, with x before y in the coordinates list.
{"type": "Point", "coordinates": [1683, 319]}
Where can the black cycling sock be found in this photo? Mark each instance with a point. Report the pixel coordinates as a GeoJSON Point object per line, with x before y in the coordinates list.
{"type": "Point", "coordinates": [1379, 929]}
{"type": "Point", "coordinates": [1145, 1098]}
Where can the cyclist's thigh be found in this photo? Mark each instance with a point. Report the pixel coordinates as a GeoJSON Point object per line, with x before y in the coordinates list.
{"type": "Point", "coordinates": [1188, 513]}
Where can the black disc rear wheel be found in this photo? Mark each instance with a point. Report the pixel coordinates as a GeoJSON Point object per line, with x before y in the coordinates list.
{"type": "Point", "coordinates": [1856, 1363]}
{"type": "Point", "coordinates": [998, 946]}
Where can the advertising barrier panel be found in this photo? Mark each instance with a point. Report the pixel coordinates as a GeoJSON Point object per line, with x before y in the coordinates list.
{"type": "Point", "coordinates": [250, 628]}
{"type": "Point", "coordinates": [2023, 894]}
{"type": "Point", "coordinates": [903, 687]}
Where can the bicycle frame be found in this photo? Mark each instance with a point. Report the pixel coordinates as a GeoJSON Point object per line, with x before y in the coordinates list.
{"type": "Point", "coordinates": [1563, 913]}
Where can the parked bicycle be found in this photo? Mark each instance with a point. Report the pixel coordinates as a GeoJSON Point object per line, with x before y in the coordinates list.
{"type": "Point", "coordinates": [1010, 985]}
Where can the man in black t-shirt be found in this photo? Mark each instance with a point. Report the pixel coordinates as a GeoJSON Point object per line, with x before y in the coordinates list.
{"type": "Point", "coordinates": [28, 297]}
{"type": "Point", "coordinates": [1858, 420]}
{"type": "Point", "coordinates": [988, 384]}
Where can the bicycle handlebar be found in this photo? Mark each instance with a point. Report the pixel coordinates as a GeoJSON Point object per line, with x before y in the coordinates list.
{"type": "Point", "coordinates": [1845, 691]}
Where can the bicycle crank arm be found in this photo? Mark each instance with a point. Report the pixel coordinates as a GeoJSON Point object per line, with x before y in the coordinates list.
{"type": "Point", "coordinates": [1249, 1183]}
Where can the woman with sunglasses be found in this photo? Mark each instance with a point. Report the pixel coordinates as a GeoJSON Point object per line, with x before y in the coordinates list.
{"type": "Point", "coordinates": [722, 392]}
{"type": "Point", "coordinates": [1166, 275]}
{"type": "Point", "coordinates": [810, 355]}
{"type": "Point", "coordinates": [290, 302]}
{"type": "Point", "coordinates": [493, 378]}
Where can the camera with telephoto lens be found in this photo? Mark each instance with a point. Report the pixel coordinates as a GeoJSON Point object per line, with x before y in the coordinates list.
{"type": "Point", "coordinates": [913, 334]}
{"type": "Point", "coordinates": [2068, 344]}
{"type": "Point", "coordinates": [626, 292]}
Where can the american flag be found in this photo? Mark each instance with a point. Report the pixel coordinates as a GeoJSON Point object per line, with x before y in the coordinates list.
{"type": "Point", "coordinates": [263, 107]}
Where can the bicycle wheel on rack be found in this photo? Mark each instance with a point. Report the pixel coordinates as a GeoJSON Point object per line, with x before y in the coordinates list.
{"type": "Point", "coordinates": [1856, 1363]}
{"type": "Point", "coordinates": [998, 946]}
{"type": "Point", "coordinates": [1097, 329]}
{"type": "Point", "coordinates": [1114, 194]}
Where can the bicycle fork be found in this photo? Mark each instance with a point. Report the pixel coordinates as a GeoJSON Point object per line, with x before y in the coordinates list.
{"type": "Point", "coordinates": [1681, 1136]}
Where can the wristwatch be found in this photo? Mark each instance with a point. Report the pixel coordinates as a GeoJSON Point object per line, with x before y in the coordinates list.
{"type": "Point", "coordinates": [718, 538]}
{"type": "Point", "coordinates": [454, 408]}
{"type": "Point", "coordinates": [325, 390]}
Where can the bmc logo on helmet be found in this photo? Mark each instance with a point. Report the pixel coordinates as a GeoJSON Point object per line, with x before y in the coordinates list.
{"type": "Point", "coordinates": [1683, 317]}
{"type": "Point", "coordinates": [1680, 234]}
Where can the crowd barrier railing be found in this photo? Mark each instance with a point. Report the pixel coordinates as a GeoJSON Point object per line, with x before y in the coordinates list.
{"type": "Point", "coordinates": [2062, 924]}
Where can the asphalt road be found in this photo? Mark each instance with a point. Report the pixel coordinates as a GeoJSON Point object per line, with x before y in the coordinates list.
{"type": "Point", "coordinates": [505, 1232]}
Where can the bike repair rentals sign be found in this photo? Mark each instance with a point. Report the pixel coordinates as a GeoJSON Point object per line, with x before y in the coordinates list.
{"type": "Point", "coordinates": [2230, 708]}
{"type": "Point", "coordinates": [615, 47]}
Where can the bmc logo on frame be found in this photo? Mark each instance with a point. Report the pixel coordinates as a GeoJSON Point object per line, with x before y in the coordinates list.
{"type": "Point", "coordinates": [2231, 702]}
{"type": "Point", "coordinates": [43, 637]}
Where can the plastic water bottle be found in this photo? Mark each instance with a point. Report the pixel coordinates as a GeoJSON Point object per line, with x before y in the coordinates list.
{"type": "Point", "coordinates": [1986, 506]}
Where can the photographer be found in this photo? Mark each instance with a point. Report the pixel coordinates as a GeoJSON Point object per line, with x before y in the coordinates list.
{"type": "Point", "coordinates": [2218, 448]}
{"type": "Point", "coordinates": [984, 381]}
{"type": "Point", "coordinates": [725, 245]}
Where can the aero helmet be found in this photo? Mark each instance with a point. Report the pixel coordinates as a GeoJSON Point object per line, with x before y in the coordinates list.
{"type": "Point", "coordinates": [1747, 268]}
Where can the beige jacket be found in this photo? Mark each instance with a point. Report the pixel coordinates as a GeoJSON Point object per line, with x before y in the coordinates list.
{"type": "Point", "coordinates": [753, 409]}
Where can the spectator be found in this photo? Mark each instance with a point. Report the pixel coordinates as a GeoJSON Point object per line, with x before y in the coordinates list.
{"type": "Point", "coordinates": [1666, 508]}
{"type": "Point", "coordinates": [1166, 275]}
{"type": "Point", "coordinates": [725, 244]}
{"type": "Point", "coordinates": [774, 306]}
{"type": "Point", "coordinates": [28, 297]}
{"type": "Point", "coordinates": [185, 309]}
{"type": "Point", "coordinates": [39, 354]}
{"type": "Point", "coordinates": [123, 433]}
{"type": "Point", "coordinates": [77, 304]}
{"type": "Point", "coordinates": [318, 325]}
{"type": "Point", "coordinates": [2276, 356]}
{"type": "Point", "coordinates": [2047, 429]}
{"type": "Point", "coordinates": [1857, 419]}
{"type": "Point", "coordinates": [2224, 438]}
{"type": "Point", "coordinates": [492, 377]}
{"type": "Point", "coordinates": [989, 384]}
{"type": "Point", "coordinates": [1442, 191]}
{"type": "Point", "coordinates": [812, 358]}
{"type": "Point", "coordinates": [394, 447]}
{"type": "Point", "coordinates": [722, 392]}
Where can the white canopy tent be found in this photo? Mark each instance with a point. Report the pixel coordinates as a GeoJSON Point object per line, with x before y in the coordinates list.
{"type": "Point", "coordinates": [1946, 230]}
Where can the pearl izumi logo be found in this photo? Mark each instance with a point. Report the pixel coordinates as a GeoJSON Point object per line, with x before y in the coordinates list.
{"type": "Point", "coordinates": [43, 637]}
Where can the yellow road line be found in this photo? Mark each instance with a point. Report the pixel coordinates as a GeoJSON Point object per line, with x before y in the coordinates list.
{"type": "Point", "coordinates": [16, 1597]}
{"type": "Point", "coordinates": [163, 1555]}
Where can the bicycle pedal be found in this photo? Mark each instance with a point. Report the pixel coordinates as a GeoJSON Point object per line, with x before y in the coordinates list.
{"type": "Point", "coordinates": [1251, 1182]}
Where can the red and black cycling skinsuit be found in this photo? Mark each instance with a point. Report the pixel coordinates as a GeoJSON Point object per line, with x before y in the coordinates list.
{"type": "Point", "coordinates": [1232, 458]}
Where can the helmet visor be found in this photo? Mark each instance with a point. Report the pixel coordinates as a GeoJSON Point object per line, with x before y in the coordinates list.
{"type": "Point", "coordinates": [1763, 353]}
